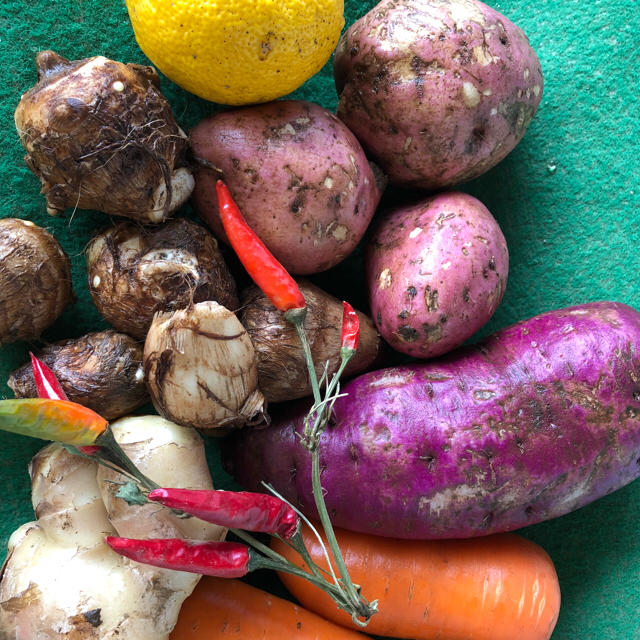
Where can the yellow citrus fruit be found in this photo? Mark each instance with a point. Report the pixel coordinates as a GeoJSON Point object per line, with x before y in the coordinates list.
{"type": "Point", "coordinates": [237, 51]}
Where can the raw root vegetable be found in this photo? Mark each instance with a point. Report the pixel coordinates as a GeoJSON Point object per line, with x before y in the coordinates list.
{"type": "Point", "coordinates": [220, 608]}
{"type": "Point", "coordinates": [135, 272]}
{"type": "Point", "coordinates": [100, 135]}
{"type": "Point", "coordinates": [102, 371]}
{"type": "Point", "coordinates": [297, 173]}
{"type": "Point", "coordinates": [201, 368]}
{"type": "Point", "coordinates": [169, 454]}
{"type": "Point", "coordinates": [62, 580]}
{"type": "Point", "coordinates": [500, 587]}
{"type": "Point", "coordinates": [282, 371]}
{"type": "Point", "coordinates": [536, 421]}
{"type": "Point", "coordinates": [436, 92]}
{"type": "Point", "coordinates": [35, 280]}
{"type": "Point", "coordinates": [436, 272]}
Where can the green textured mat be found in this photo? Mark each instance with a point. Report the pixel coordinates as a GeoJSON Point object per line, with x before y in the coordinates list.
{"type": "Point", "coordinates": [568, 200]}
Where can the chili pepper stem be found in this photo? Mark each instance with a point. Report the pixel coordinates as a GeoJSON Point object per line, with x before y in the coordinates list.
{"type": "Point", "coordinates": [110, 450]}
{"type": "Point", "coordinates": [296, 318]}
{"type": "Point", "coordinates": [356, 605]}
{"type": "Point", "coordinates": [335, 591]}
{"type": "Point", "coordinates": [351, 591]}
{"type": "Point", "coordinates": [256, 544]}
{"type": "Point", "coordinates": [297, 543]}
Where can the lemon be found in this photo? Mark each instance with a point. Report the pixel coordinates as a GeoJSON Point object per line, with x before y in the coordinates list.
{"type": "Point", "coordinates": [237, 51]}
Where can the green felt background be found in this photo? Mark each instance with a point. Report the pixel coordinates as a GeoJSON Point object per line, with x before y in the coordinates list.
{"type": "Point", "coordinates": [568, 200]}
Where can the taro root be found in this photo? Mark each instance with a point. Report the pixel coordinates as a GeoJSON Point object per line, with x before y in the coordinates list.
{"type": "Point", "coordinates": [102, 371]}
{"type": "Point", "coordinates": [35, 280]}
{"type": "Point", "coordinates": [100, 135]}
{"type": "Point", "coordinates": [201, 368]}
{"type": "Point", "coordinates": [135, 272]}
{"type": "Point", "coordinates": [282, 372]}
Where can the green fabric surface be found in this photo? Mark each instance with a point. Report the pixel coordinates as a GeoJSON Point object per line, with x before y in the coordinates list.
{"type": "Point", "coordinates": [567, 198]}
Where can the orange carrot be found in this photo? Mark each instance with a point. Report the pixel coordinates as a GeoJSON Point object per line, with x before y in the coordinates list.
{"type": "Point", "coordinates": [500, 587]}
{"type": "Point", "coordinates": [223, 608]}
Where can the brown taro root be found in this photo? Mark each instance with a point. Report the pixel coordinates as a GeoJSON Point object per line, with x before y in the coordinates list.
{"type": "Point", "coordinates": [35, 280]}
{"type": "Point", "coordinates": [201, 369]}
{"type": "Point", "coordinates": [135, 272]}
{"type": "Point", "coordinates": [282, 372]}
{"type": "Point", "coordinates": [102, 371]}
{"type": "Point", "coordinates": [100, 135]}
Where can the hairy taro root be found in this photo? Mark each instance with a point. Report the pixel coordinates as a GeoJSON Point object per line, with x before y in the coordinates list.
{"type": "Point", "coordinates": [102, 371]}
{"type": "Point", "coordinates": [437, 92]}
{"type": "Point", "coordinates": [299, 176]}
{"type": "Point", "coordinates": [135, 272]}
{"type": "Point", "coordinates": [35, 280]}
{"type": "Point", "coordinates": [201, 368]}
{"type": "Point", "coordinates": [282, 371]}
{"type": "Point", "coordinates": [100, 135]}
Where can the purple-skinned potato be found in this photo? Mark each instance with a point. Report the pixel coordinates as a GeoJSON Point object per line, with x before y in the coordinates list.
{"type": "Point", "coordinates": [539, 419]}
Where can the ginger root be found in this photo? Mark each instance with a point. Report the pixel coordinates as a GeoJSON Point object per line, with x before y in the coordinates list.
{"type": "Point", "coordinates": [62, 581]}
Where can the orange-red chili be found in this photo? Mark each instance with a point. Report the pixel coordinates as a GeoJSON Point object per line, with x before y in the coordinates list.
{"type": "Point", "coordinates": [233, 509]}
{"type": "Point", "coordinates": [48, 386]}
{"type": "Point", "coordinates": [220, 559]}
{"type": "Point", "coordinates": [261, 265]}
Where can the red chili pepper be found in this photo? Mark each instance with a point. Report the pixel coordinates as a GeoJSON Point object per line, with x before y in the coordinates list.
{"type": "Point", "coordinates": [234, 509]}
{"type": "Point", "coordinates": [220, 559]}
{"type": "Point", "coordinates": [261, 265]}
{"type": "Point", "coordinates": [48, 386]}
{"type": "Point", "coordinates": [350, 330]}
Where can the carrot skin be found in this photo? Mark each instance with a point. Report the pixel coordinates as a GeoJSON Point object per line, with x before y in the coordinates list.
{"type": "Point", "coordinates": [221, 608]}
{"type": "Point", "coordinates": [500, 587]}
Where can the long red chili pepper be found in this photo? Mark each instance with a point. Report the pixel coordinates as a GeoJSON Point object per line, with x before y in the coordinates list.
{"type": "Point", "coordinates": [48, 386]}
{"type": "Point", "coordinates": [261, 265]}
{"type": "Point", "coordinates": [220, 559]}
{"type": "Point", "coordinates": [233, 509]}
{"type": "Point", "coordinates": [350, 334]}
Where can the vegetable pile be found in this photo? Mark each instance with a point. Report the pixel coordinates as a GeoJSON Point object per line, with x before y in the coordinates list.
{"type": "Point", "coordinates": [425, 458]}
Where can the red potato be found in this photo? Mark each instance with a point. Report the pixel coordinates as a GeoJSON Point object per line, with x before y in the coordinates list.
{"type": "Point", "coordinates": [436, 273]}
{"type": "Point", "coordinates": [437, 92]}
{"type": "Point", "coordinates": [297, 173]}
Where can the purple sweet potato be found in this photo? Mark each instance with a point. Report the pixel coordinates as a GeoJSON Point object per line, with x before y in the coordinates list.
{"type": "Point", "coordinates": [540, 419]}
{"type": "Point", "coordinates": [436, 273]}
{"type": "Point", "coordinates": [437, 91]}
{"type": "Point", "coordinates": [298, 174]}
